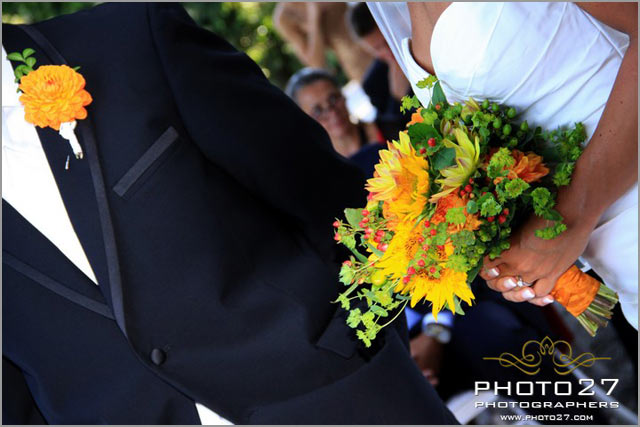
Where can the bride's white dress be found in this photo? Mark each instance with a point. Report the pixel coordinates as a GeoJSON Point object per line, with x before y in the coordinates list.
{"type": "Point", "coordinates": [557, 65]}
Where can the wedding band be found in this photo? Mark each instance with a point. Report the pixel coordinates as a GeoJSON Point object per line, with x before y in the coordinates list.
{"type": "Point", "coordinates": [521, 282]}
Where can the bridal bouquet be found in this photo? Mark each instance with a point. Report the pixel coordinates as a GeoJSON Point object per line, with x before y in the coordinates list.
{"type": "Point", "coordinates": [445, 195]}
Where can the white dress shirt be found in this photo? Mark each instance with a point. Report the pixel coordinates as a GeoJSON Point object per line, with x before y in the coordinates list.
{"type": "Point", "coordinates": [29, 187]}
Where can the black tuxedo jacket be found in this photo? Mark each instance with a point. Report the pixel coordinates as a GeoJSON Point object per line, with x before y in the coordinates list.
{"type": "Point", "coordinates": [204, 205]}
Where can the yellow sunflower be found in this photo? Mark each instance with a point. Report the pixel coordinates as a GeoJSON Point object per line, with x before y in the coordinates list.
{"type": "Point", "coordinates": [402, 250]}
{"type": "Point", "coordinates": [401, 181]}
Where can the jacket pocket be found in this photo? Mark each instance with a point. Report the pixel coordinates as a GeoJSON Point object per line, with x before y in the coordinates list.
{"type": "Point", "coordinates": [146, 164]}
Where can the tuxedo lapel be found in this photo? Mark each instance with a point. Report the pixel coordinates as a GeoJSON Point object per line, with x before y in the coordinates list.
{"type": "Point", "coordinates": [81, 185]}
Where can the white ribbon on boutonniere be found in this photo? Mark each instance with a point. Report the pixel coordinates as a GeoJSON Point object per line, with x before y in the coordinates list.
{"type": "Point", "coordinates": [52, 96]}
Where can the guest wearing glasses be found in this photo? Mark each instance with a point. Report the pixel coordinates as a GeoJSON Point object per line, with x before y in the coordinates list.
{"type": "Point", "coordinates": [317, 93]}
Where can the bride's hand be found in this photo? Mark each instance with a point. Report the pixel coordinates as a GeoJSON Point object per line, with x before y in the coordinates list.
{"type": "Point", "coordinates": [536, 261]}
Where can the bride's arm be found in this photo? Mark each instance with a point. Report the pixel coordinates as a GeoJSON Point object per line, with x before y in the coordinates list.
{"type": "Point", "coordinates": [605, 171]}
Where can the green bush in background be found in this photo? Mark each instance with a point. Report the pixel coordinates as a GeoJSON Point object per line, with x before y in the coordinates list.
{"type": "Point", "coordinates": [247, 26]}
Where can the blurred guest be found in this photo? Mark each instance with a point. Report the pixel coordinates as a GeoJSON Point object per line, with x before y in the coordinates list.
{"type": "Point", "coordinates": [384, 82]}
{"type": "Point", "coordinates": [314, 28]}
{"type": "Point", "coordinates": [318, 94]}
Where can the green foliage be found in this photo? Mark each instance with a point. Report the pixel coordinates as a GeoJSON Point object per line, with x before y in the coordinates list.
{"type": "Point", "coordinates": [420, 132]}
{"type": "Point", "coordinates": [458, 263]}
{"type": "Point", "coordinates": [455, 216]}
{"type": "Point", "coordinates": [551, 232]}
{"type": "Point", "coordinates": [443, 158]}
{"type": "Point", "coordinates": [542, 201]}
{"type": "Point", "coordinates": [500, 161]}
{"type": "Point", "coordinates": [514, 188]}
{"type": "Point", "coordinates": [409, 103]}
{"type": "Point", "coordinates": [427, 82]}
{"type": "Point", "coordinates": [489, 206]}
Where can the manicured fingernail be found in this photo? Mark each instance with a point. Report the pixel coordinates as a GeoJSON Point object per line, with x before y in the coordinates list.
{"type": "Point", "coordinates": [527, 294]}
{"type": "Point", "coordinates": [510, 283]}
{"type": "Point", "coordinates": [494, 272]}
{"type": "Point", "coordinates": [547, 300]}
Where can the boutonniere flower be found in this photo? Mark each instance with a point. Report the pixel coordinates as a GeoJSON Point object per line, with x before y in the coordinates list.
{"type": "Point", "coordinates": [52, 95]}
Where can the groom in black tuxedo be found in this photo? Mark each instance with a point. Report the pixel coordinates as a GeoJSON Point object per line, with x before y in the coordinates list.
{"type": "Point", "coordinates": [204, 206]}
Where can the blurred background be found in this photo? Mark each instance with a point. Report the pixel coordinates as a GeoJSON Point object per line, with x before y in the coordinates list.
{"type": "Point", "coordinates": [247, 26]}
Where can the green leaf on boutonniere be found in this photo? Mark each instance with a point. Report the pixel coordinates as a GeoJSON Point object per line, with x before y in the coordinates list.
{"type": "Point", "coordinates": [15, 56]}
{"type": "Point", "coordinates": [28, 52]}
{"type": "Point", "coordinates": [76, 68]}
{"type": "Point", "coordinates": [31, 62]}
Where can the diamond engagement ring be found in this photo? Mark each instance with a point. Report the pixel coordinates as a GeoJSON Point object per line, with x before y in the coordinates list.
{"type": "Point", "coordinates": [521, 282]}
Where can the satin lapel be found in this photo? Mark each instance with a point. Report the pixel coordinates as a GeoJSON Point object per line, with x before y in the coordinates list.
{"type": "Point", "coordinates": [82, 185]}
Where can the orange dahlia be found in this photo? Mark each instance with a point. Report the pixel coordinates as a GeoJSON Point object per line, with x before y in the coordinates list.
{"type": "Point", "coordinates": [453, 200]}
{"type": "Point", "coordinates": [528, 167]}
{"type": "Point", "coordinates": [54, 94]}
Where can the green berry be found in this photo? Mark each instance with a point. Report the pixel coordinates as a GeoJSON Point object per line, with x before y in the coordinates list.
{"type": "Point", "coordinates": [495, 107]}
{"type": "Point", "coordinates": [506, 130]}
{"type": "Point", "coordinates": [485, 104]}
{"type": "Point", "coordinates": [524, 126]}
{"type": "Point", "coordinates": [511, 113]}
{"type": "Point", "coordinates": [497, 123]}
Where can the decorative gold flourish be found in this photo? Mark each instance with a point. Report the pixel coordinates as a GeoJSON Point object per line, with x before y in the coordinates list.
{"type": "Point", "coordinates": [530, 361]}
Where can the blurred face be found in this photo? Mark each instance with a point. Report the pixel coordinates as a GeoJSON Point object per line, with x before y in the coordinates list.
{"type": "Point", "coordinates": [376, 45]}
{"type": "Point", "coordinates": [323, 101]}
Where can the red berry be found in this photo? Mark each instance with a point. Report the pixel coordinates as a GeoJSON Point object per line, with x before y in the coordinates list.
{"type": "Point", "coordinates": [502, 219]}
{"type": "Point", "coordinates": [383, 247]}
{"type": "Point", "coordinates": [427, 223]}
{"type": "Point", "coordinates": [336, 237]}
{"type": "Point", "coordinates": [431, 142]}
{"type": "Point", "coordinates": [336, 224]}
{"type": "Point", "coordinates": [365, 220]}
{"type": "Point", "coordinates": [506, 211]}
{"type": "Point", "coordinates": [406, 279]}
{"type": "Point", "coordinates": [441, 247]}
{"type": "Point", "coordinates": [432, 270]}
{"type": "Point", "coordinates": [368, 230]}
{"type": "Point", "coordinates": [361, 224]}
{"type": "Point", "coordinates": [490, 219]}
{"type": "Point", "coordinates": [364, 212]}
{"type": "Point", "coordinates": [438, 107]}
{"type": "Point", "coordinates": [433, 232]}
{"type": "Point", "coordinates": [468, 188]}
{"type": "Point", "coordinates": [377, 239]}
{"type": "Point", "coordinates": [472, 196]}
{"type": "Point", "coordinates": [423, 150]}
{"type": "Point", "coordinates": [423, 255]}
{"type": "Point", "coordinates": [411, 271]}
{"type": "Point", "coordinates": [462, 193]}
{"type": "Point", "coordinates": [425, 247]}
{"type": "Point", "coordinates": [347, 262]}
{"type": "Point", "coordinates": [380, 233]}
{"type": "Point", "coordinates": [369, 196]}
{"type": "Point", "coordinates": [470, 180]}
{"type": "Point", "coordinates": [421, 262]}
{"type": "Point", "coordinates": [420, 239]}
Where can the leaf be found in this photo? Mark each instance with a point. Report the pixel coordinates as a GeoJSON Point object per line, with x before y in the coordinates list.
{"type": "Point", "coordinates": [472, 207]}
{"type": "Point", "coordinates": [31, 62]}
{"type": "Point", "coordinates": [490, 207]}
{"type": "Point", "coordinates": [429, 117]}
{"type": "Point", "coordinates": [409, 103]}
{"type": "Point", "coordinates": [419, 132]}
{"type": "Point", "coordinates": [354, 318]}
{"type": "Point", "coordinates": [458, 306]}
{"type": "Point", "coordinates": [515, 187]}
{"type": "Point", "coordinates": [346, 274]}
{"type": "Point", "coordinates": [458, 263]}
{"type": "Point", "coordinates": [363, 337]}
{"type": "Point", "coordinates": [427, 82]}
{"type": "Point", "coordinates": [353, 216]}
{"type": "Point", "coordinates": [76, 68]}
{"type": "Point", "coordinates": [438, 95]}
{"type": "Point", "coordinates": [455, 216]}
{"type": "Point", "coordinates": [23, 69]}
{"type": "Point", "coordinates": [15, 56]}
{"type": "Point", "coordinates": [28, 52]}
{"type": "Point", "coordinates": [379, 311]}
{"type": "Point", "coordinates": [443, 158]}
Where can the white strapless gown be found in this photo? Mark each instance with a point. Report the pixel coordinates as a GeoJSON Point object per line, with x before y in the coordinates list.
{"type": "Point", "coordinates": [557, 65]}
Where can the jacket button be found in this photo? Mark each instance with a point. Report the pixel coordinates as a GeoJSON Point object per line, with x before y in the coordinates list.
{"type": "Point", "coordinates": [158, 356]}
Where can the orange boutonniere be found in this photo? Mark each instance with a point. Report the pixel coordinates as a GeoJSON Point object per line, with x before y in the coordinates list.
{"type": "Point", "coordinates": [52, 96]}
